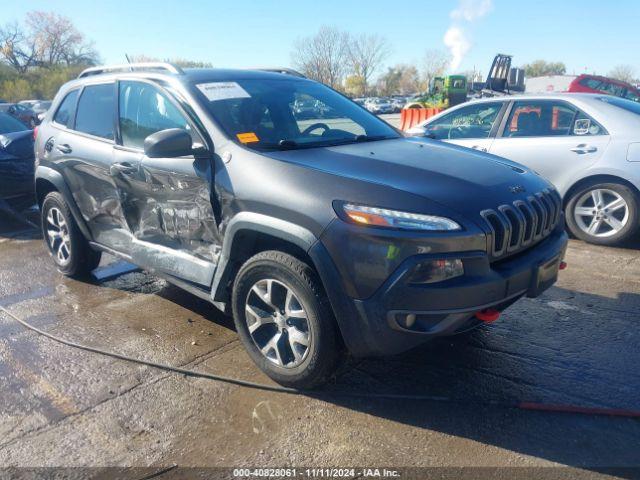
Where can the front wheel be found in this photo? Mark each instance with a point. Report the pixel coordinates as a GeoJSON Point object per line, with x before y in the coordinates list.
{"type": "Point", "coordinates": [603, 213]}
{"type": "Point", "coordinates": [284, 320]}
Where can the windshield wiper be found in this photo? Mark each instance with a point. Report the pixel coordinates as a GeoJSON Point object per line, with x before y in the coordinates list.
{"type": "Point", "coordinates": [372, 138]}
{"type": "Point", "coordinates": [288, 144]}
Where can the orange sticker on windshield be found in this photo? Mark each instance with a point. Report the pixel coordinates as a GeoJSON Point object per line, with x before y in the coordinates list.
{"type": "Point", "coordinates": [248, 137]}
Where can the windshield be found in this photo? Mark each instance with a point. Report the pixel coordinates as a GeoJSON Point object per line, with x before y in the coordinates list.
{"type": "Point", "coordinates": [289, 114]}
{"type": "Point", "coordinates": [628, 105]}
{"type": "Point", "coordinates": [8, 124]}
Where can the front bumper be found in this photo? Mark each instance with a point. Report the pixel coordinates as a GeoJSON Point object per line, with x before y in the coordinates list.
{"type": "Point", "coordinates": [376, 325]}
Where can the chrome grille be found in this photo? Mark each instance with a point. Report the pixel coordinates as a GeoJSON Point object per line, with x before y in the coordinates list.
{"type": "Point", "coordinates": [522, 223]}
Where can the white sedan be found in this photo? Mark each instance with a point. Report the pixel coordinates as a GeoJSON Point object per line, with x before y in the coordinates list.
{"type": "Point", "coordinates": [587, 145]}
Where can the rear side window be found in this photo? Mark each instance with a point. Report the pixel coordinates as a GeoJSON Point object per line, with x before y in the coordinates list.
{"type": "Point", "coordinates": [96, 110]}
{"type": "Point", "coordinates": [548, 118]}
{"type": "Point", "coordinates": [143, 111]}
{"type": "Point", "coordinates": [64, 115]}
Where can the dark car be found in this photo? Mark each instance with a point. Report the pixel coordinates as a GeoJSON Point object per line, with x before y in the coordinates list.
{"type": "Point", "coordinates": [39, 107]}
{"type": "Point", "coordinates": [316, 235]}
{"type": "Point", "coordinates": [22, 112]}
{"type": "Point", "coordinates": [16, 158]}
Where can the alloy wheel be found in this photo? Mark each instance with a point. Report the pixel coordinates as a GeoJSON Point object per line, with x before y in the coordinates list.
{"type": "Point", "coordinates": [601, 212]}
{"type": "Point", "coordinates": [278, 323]}
{"type": "Point", "coordinates": [58, 236]}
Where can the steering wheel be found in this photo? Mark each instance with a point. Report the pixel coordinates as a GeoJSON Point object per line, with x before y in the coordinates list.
{"type": "Point", "coordinates": [314, 126]}
{"type": "Point", "coordinates": [458, 132]}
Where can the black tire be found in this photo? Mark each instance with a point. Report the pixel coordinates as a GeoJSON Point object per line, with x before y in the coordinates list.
{"type": "Point", "coordinates": [632, 222]}
{"type": "Point", "coordinates": [82, 259]}
{"type": "Point", "coordinates": [324, 350]}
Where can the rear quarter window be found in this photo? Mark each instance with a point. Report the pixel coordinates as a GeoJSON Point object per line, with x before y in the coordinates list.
{"type": "Point", "coordinates": [64, 114]}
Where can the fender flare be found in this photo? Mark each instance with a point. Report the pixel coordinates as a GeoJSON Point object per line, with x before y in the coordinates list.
{"type": "Point", "coordinates": [256, 222]}
{"type": "Point", "coordinates": [344, 310]}
{"type": "Point", "coordinates": [57, 180]}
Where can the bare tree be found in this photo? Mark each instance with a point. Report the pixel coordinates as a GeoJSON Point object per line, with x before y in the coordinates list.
{"type": "Point", "coordinates": [625, 73]}
{"type": "Point", "coordinates": [178, 61]}
{"type": "Point", "coordinates": [16, 48]}
{"type": "Point", "coordinates": [366, 54]}
{"type": "Point", "coordinates": [46, 40]}
{"type": "Point", "coordinates": [322, 56]}
{"type": "Point", "coordinates": [434, 64]}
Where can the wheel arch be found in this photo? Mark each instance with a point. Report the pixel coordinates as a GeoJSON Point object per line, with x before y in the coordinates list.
{"type": "Point", "coordinates": [249, 233]}
{"type": "Point", "coordinates": [599, 178]}
{"type": "Point", "coordinates": [49, 180]}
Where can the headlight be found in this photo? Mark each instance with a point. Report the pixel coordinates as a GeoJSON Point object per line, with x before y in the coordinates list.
{"type": "Point", "coordinates": [382, 217]}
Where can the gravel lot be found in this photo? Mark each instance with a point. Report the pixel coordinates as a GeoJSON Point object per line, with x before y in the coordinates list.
{"type": "Point", "coordinates": [577, 344]}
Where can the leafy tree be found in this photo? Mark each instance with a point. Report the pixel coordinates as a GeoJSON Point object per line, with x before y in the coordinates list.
{"type": "Point", "coordinates": [15, 90]}
{"type": "Point", "coordinates": [541, 68]}
{"type": "Point", "coordinates": [401, 79]}
{"type": "Point", "coordinates": [389, 83]}
{"type": "Point", "coordinates": [354, 85]}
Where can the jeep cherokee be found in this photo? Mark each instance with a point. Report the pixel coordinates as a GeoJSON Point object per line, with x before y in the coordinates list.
{"type": "Point", "coordinates": [320, 236]}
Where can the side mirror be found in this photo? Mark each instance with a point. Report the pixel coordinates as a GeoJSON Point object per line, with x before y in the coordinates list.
{"type": "Point", "coordinates": [173, 142]}
{"type": "Point", "coordinates": [12, 110]}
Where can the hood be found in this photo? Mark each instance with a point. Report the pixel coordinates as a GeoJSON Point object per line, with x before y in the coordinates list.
{"type": "Point", "coordinates": [17, 144]}
{"type": "Point", "coordinates": [456, 177]}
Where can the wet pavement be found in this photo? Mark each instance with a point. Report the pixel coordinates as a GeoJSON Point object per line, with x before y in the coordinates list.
{"type": "Point", "coordinates": [576, 344]}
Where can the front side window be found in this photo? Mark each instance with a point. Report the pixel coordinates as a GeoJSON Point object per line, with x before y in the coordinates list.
{"type": "Point", "coordinates": [473, 121]}
{"type": "Point", "coordinates": [144, 110]}
{"type": "Point", "coordinates": [96, 111]}
{"type": "Point", "coordinates": [288, 113]}
{"type": "Point", "coordinates": [64, 115]}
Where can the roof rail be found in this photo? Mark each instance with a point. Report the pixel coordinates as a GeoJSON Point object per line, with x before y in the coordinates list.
{"type": "Point", "coordinates": [131, 67]}
{"type": "Point", "coordinates": [283, 70]}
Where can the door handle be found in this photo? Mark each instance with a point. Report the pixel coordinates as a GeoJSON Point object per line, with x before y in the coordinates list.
{"type": "Point", "coordinates": [64, 148]}
{"type": "Point", "coordinates": [584, 148]}
{"type": "Point", "coordinates": [478, 147]}
{"type": "Point", "coordinates": [124, 167]}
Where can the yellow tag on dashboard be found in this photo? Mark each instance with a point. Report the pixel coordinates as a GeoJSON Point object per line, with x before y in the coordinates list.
{"type": "Point", "coordinates": [248, 137]}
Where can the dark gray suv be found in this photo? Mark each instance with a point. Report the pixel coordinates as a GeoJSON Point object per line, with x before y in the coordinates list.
{"type": "Point", "coordinates": [320, 236]}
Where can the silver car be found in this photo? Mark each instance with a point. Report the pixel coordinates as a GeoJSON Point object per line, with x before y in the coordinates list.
{"type": "Point", "coordinates": [588, 145]}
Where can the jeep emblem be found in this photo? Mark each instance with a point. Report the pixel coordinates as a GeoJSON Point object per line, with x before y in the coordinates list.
{"type": "Point", "coordinates": [517, 189]}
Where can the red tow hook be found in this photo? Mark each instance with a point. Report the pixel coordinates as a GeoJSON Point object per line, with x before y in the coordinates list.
{"type": "Point", "coordinates": [563, 265]}
{"type": "Point", "coordinates": [488, 315]}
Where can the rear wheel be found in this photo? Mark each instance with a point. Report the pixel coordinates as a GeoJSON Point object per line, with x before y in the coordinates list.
{"type": "Point", "coordinates": [68, 247]}
{"type": "Point", "coordinates": [284, 320]}
{"type": "Point", "coordinates": [603, 213]}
